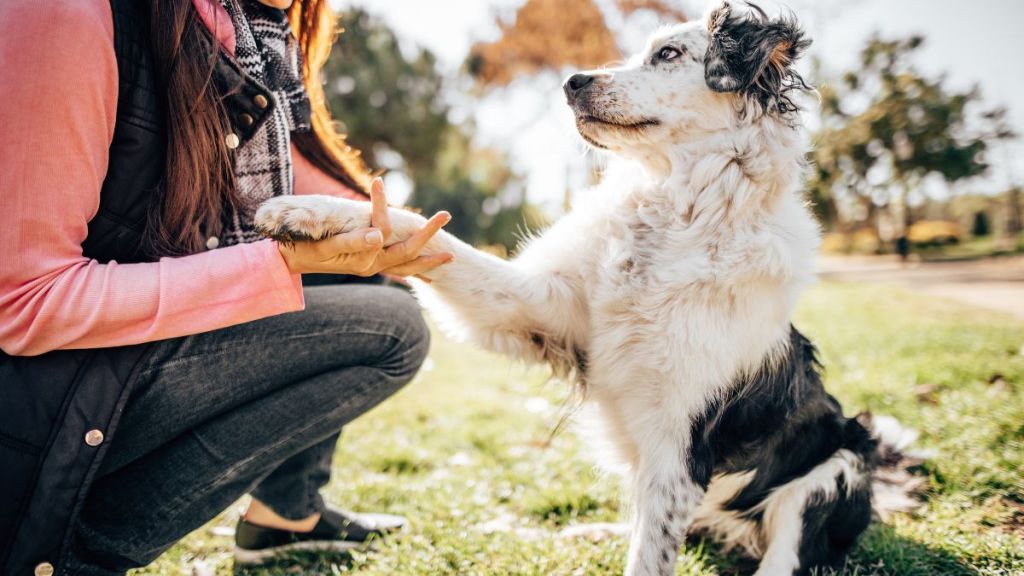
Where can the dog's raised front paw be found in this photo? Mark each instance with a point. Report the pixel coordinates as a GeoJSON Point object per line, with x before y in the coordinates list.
{"type": "Point", "coordinates": [310, 218]}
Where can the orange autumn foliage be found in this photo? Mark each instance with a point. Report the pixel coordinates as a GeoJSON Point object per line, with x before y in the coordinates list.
{"type": "Point", "coordinates": [546, 35]}
{"type": "Point", "coordinates": [554, 34]}
{"type": "Point", "coordinates": [659, 7]}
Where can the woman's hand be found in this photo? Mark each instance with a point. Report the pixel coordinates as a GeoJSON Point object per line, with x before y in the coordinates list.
{"type": "Point", "coordinates": [365, 252]}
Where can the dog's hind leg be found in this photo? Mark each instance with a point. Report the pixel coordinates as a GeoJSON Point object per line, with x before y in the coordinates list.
{"type": "Point", "coordinates": [784, 532]}
{"type": "Point", "coordinates": [813, 520]}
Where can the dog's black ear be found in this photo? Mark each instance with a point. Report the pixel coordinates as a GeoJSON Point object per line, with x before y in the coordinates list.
{"type": "Point", "coordinates": [752, 54]}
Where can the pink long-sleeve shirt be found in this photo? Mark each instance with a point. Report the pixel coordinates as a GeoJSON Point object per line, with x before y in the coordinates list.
{"type": "Point", "coordinates": [58, 99]}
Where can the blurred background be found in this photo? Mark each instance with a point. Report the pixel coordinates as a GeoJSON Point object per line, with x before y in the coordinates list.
{"type": "Point", "coordinates": [917, 130]}
{"type": "Point", "coordinates": [916, 147]}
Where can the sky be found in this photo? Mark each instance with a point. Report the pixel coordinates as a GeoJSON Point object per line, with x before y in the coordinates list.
{"type": "Point", "coordinates": [977, 42]}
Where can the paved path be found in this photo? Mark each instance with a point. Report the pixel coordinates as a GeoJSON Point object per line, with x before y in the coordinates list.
{"type": "Point", "coordinates": [994, 283]}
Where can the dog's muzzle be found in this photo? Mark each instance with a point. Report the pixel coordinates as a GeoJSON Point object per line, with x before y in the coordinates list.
{"type": "Point", "coordinates": [576, 84]}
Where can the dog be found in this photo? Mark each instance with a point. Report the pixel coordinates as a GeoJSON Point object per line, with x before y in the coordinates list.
{"type": "Point", "coordinates": [666, 297]}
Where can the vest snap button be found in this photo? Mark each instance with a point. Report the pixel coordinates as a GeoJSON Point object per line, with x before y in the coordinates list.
{"type": "Point", "coordinates": [43, 569]}
{"type": "Point", "coordinates": [245, 120]}
{"type": "Point", "coordinates": [260, 101]}
{"type": "Point", "coordinates": [232, 141]}
{"type": "Point", "coordinates": [94, 438]}
{"type": "Point", "coordinates": [212, 243]}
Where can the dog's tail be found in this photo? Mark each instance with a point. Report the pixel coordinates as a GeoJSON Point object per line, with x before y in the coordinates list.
{"type": "Point", "coordinates": [895, 487]}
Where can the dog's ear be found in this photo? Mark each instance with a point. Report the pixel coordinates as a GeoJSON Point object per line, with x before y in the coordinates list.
{"type": "Point", "coordinates": [752, 54]}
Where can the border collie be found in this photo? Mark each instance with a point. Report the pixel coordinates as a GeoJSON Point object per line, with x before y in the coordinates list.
{"type": "Point", "coordinates": [667, 295]}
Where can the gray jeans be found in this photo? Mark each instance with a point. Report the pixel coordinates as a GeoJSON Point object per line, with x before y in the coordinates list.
{"type": "Point", "coordinates": [255, 408]}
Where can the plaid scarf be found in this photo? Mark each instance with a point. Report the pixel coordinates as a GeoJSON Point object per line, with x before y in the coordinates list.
{"type": "Point", "coordinates": [268, 52]}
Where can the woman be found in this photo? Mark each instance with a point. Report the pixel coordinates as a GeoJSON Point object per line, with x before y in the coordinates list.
{"type": "Point", "coordinates": [159, 359]}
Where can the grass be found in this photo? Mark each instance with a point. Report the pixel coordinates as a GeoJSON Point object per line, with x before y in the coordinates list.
{"type": "Point", "coordinates": [463, 453]}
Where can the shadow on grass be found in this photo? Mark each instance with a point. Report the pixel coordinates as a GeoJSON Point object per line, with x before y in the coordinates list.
{"type": "Point", "coordinates": [880, 552]}
{"type": "Point", "coordinates": [299, 563]}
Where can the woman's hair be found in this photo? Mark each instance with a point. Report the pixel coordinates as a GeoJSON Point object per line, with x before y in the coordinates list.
{"type": "Point", "coordinates": [199, 182]}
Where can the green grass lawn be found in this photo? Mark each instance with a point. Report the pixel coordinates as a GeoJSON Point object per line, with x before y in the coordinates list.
{"type": "Point", "coordinates": [463, 452]}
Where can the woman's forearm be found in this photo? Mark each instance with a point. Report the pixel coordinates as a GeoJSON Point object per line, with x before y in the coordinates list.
{"type": "Point", "coordinates": [84, 304]}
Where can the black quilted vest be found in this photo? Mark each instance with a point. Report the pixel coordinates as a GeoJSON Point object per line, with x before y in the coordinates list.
{"type": "Point", "coordinates": [137, 154]}
{"type": "Point", "coordinates": [59, 411]}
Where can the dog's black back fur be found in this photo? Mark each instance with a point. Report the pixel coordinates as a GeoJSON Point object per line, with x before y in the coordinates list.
{"type": "Point", "coordinates": [780, 423]}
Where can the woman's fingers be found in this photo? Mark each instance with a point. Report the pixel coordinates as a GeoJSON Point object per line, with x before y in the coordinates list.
{"type": "Point", "coordinates": [379, 218]}
{"type": "Point", "coordinates": [411, 247]}
{"type": "Point", "coordinates": [350, 242]}
{"type": "Point", "coordinates": [362, 252]}
{"type": "Point", "coordinates": [420, 265]}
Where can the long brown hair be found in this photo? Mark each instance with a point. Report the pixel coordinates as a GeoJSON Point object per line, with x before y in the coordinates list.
{"type": "Point", "coordinates": [199, 182]}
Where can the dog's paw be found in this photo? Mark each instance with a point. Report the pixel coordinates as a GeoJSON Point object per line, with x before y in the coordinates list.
{"type": "Point", "coordinates": [310, 218]}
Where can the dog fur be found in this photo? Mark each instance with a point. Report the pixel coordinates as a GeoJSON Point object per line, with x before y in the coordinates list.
{"type": "Point", "coordinates": [666, 296]}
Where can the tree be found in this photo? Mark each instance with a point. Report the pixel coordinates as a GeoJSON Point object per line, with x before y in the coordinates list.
{"type": "Point", "coordinates": [885, 127]}
{"type": "Point", "coordinates": [391, 104]}
{"type": "Point", "coordinates": [981, 226]}
{"type": "Point", "coordinates": [547, 37]}
{"type": "Point", "coordinates": [462, 184]}
{"type": "Point", "coordinates": [1014, 224]}
{"type": "Point", "coordinates": [659, 7]}
{"type": "Point", "coordinates": [385, 100]}
{"type": "Point", "coordinates": [555, 34]}
{"type": "Point", "coordinates": [546, 34]}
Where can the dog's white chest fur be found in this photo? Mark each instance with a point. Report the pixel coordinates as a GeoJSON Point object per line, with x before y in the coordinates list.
{"type": "Point", "coordinates": [678, 299]}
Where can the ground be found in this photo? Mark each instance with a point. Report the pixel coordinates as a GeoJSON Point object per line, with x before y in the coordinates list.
{"type": "Point", "coordinates": [464, 452]}
{"type": "Point", "coordinates": [994, 283]}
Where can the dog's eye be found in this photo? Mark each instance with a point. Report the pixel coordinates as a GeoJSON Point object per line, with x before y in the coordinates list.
{"type": "Point", "coordinates": [668, 54]}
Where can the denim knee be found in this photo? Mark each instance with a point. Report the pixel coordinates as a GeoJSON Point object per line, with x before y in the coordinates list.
{"type": "Point", "coordinates": [398, 338]}
{"type": "Point", "coordinates": [413, 342]}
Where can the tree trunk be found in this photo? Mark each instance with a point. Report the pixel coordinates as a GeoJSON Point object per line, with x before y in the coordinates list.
{"type": "Point", "coordinates": [908, 217]}
{"type": "Point", "coordinates": [1013, 219]}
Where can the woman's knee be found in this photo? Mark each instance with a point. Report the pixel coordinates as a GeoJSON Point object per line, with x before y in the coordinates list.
{"type": "Point", "coordinates": [397, 337]}
{"type": "Point", "coordinates": [412, 333]}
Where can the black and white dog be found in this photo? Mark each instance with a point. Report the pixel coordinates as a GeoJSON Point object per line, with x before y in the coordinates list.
{"type": "Point", "coordinates": [667, 297]}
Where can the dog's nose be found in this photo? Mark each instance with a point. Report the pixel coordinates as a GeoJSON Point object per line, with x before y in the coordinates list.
{"type": "Point", "coordinates": [577, 82]}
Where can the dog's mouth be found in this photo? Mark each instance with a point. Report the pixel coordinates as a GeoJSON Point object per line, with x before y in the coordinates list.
{"type": "Point", "coordinates": [588, 122]}
{"type": "Point", "coordinates": [638, 125]}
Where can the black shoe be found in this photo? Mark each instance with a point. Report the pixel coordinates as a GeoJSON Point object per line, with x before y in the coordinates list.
{"type": "Point", "coordinates": [336, 531]}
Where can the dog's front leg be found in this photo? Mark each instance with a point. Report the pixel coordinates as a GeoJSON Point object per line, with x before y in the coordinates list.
{"type": "Point", "coordinates": [532, 307]}
{"type": "Point", "coordinates": [517, 308]}
{"type": "Point", "coordinates": [529, 308]}
{"type": "Point", "coordinates": [668, 487]}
